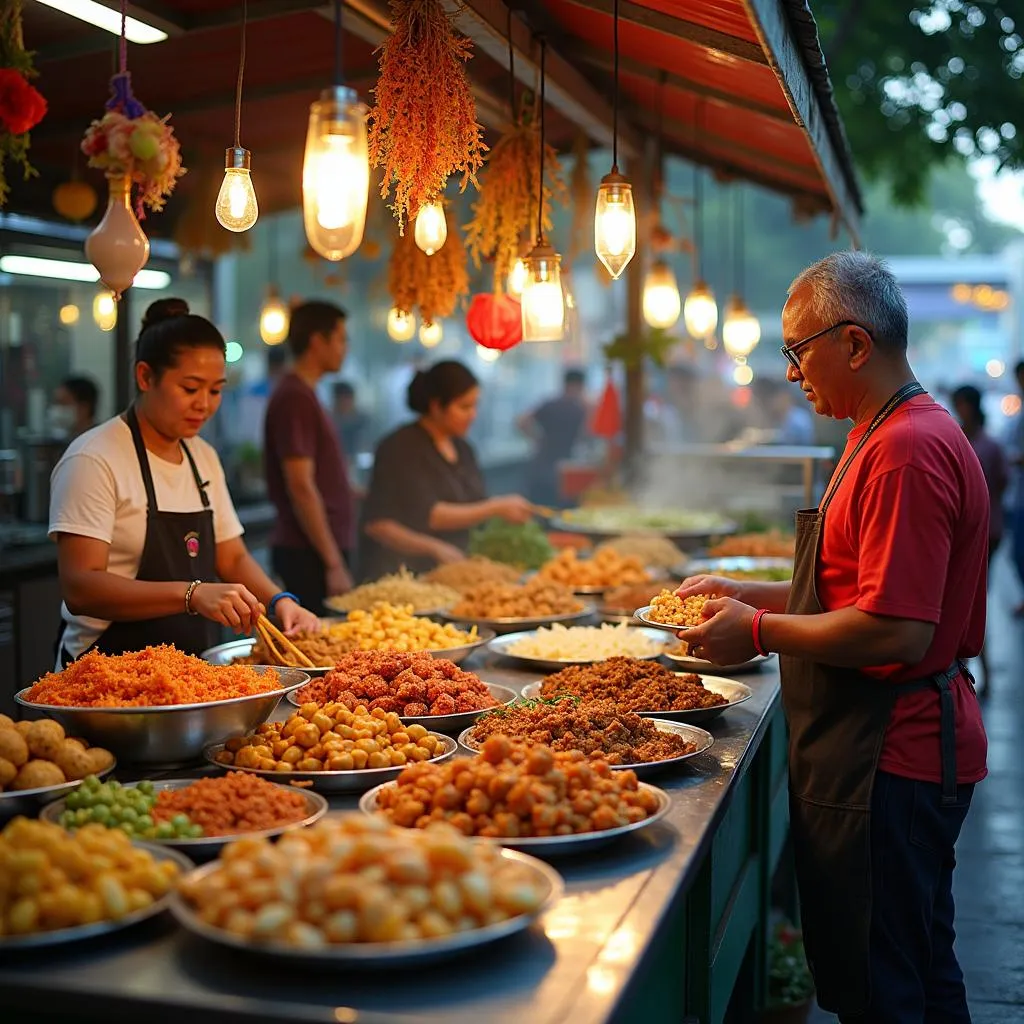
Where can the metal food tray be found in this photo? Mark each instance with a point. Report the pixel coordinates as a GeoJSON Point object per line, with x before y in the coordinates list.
{"type": "Point", "coordinates": [502, 626]}
{"type": "Point", "coordinates": [29, 801]}
{"type": "Point", "coordinates": [39, 940]}
{"type": "Point", "coordinates": [704, 740]}
{"type": "Point", "coordinates": [501, 646]}
{"type": "Point", "coordinates": [448, 724]}
{"type": "Point", "coordinates": [734, 692]}
{"type": "Point", "coordinates": [378, 954]}
{"type": "Point", "coordinates": [735, 563]}
{"type": "Point", "coordinates": [553, 846]}
{"type": "Point", "coordinates": [699, 665]}
{"type": "Point", "coordinates": [210, 846]}
{"type": "Point", "coordinates": [358, 780]}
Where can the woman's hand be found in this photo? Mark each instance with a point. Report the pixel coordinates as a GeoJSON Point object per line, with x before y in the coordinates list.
{"type": "Point", "coordinates": [710, 586]}
{"type": "Point", "coordinates": [337, 580]}
{"type": "Point", "coordinates": [445, 554]}
{"type": "Point", "coordinates": [726, 635]}
{"type": "Point", "coordinates": [230, 604]}
{"type": "Point", "coordinates": [513, 508]}
{"type": "Point", "coordinates": [294, 618]}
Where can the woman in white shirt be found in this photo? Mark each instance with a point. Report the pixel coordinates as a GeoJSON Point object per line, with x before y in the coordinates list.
{"type": "Point", "coordinates": [139, 508]}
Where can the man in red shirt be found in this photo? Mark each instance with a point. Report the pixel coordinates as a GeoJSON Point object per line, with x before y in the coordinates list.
{"type": "Point", "coordinates": [307, 479]}
{"type": "Point", "coordinates": [886, 603]}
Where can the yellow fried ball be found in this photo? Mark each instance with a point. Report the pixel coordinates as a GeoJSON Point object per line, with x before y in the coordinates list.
{"type": "Point", "coordinates": [99, 760]}
{"type": "Point", "coordinates": [37, 774]}
{"type": "Point", "coordinates": [73, 760]}
{"type": "Point", "coordinates": [7, 772]}
{"type": "Point", "coordinates": [13, 747]}
{"type": "Point", "coordinates": [44, 739]}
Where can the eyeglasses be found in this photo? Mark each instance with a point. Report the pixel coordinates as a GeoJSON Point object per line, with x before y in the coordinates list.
{"type": "Point", "coordinates": [790, 351]}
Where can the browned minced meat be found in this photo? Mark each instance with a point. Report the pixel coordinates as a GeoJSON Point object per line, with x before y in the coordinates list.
{"type": "Point", "coordinates": [633, 685]}
{"type": "Point", "coordinates": [597, 728]}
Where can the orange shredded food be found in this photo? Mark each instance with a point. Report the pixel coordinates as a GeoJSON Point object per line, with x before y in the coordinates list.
{"type": "Point", "coordinates": [236, 803]}
{"type": "Point", "coordinates": [151, 677]}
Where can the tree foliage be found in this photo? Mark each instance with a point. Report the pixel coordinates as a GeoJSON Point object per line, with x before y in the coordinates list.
{"type": "Point", "coordinates": [921, 82]}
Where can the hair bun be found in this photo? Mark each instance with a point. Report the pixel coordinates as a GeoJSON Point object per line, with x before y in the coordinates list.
{"type": "Point", "coordinates": [418, 395]}
{"type": "Point", "coordinates": [164, 309]}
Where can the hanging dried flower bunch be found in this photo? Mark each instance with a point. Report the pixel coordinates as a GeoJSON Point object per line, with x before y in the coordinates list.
{"type": "Point", "coordinates": [431, 285]}
{"type": "Point", "coordinates": [423, 125]}
{"type": "Point", "coordinates": [506, 209]}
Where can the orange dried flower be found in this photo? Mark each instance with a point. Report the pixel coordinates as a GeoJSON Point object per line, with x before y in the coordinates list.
{"type": "Point", "coordinates": [423, 125]}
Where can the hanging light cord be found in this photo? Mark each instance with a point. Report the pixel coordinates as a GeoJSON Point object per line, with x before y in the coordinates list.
{"type": "Point", "coordinates": [511, 69]}
{"type": "Point", "coordinates": [241, 73]}
{"type": "Point", "coordinates": [337, 43]}
{"type": "Point", "coordinates": [737, 241]}
{"type": "Point", "coordinates": [698, 201]}
{"type": "Point", "coordinates": [123, 45]}
{"type": "Point", "coordinates": [615, 96]}
{"type": "Point", "coordinates": [540, 188]}
{"type": "Point", "coordinates": [272, 254]}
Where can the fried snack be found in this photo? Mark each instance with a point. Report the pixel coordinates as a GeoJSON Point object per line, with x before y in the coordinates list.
{"type": "Point", "coordinates": [383, 628]}
{"type": "Point", "coordinates": [55, 879]}
{"type": "Point", "coordinates": [597, 728]}
{"type": "Point", "coordinates": [413, 685]}
{"type": "Point", "coordinates": [152, 677]}
{"type": "Point", "coordinates": [231, 804]}
{"type": "Point", "coordinates": [400, 588]}
{"type": "Point", "coordinates": [773, 544]}
{"type": "Point", "coordinates": [656, 552]}
{"type": "Point", "coordinates": [533, 600]}
{"type": "Point", "coordinates": [40, 755]}
{"type": "Point", "coordinates": [626, 600]}
{"type": "Point", "coordinates": [514, 790]}
{"type": "Point", "coordinates": [585, 643]}
{"type": "Point", "coordinates": [606, 569]}
{"type": "Point", "coordinates": [354, 878]}
{"type": "Point", "coordinates": [462, 575]}
{"type": "Point", "coordinates": [673, 610]}
{"type": "Point", "coordinates": [633, 686]}
{"type": "Point", "coordinates": [331, 739]}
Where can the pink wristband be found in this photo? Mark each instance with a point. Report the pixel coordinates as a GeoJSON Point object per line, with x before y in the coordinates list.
{"type": "Point", "coordinates": [755, 629]}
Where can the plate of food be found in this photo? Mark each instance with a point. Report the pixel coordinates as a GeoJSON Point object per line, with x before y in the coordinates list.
{"type": "Point", "coordinates": [438, 895]}
{"type": "Point", "coordinates": [606, 569]}
{"type": "Point", "coordinates": [470, 572]}
{"type": "Point", "coordinates": [769, 570]}
{"type": "Point", "coordinates": [195, 816]}
{"type": "Point", "coordinates": [506, 608]}
{"type": "Point", "coordinates": [588, 805]}
{"type": "Point", "coordinates": [646, 688]}
{"type": "Point", "coordinates": [658, 553]}
{"type": "Point", "coordinates": [134, 883]}
{"type": "Point", "coordinates": [551, 648]}
{"type": "Point", "coordinates": [331, 749]}
{"type": "Point", "coordinates": [674, 523]}
{"type": "Point", "coordinates": [671, 612]}
{"type": "Point", "coordinates": [400, 589]}
{"type": "Point", "coordinates": [597, 728]}
{"type": "Point", "coordinates": [680, 656]}
{"type": "Point", "coordinates": [420, 689]}
{"type": "Point", "coordinates": [769, 544]}
{"type": "Point", "coordinates": [159, 706]}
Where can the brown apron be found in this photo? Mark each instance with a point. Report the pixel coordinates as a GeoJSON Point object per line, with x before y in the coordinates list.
{"type": "Point", "coordinates": [837, 721]}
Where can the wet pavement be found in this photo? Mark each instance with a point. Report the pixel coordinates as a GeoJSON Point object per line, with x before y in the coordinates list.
{"type": "Point", "coordinates": [989, 879]}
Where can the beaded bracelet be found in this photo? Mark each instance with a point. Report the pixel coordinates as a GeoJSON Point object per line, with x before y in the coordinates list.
{"type": "Point", "coordinates": [188, 597]}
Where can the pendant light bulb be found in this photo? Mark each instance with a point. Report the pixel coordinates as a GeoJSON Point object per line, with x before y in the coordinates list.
{"type": "Point", "coordinates": [335, 174]}
{"type": "Point", "coordinates": [615, 223]}
{"type": "Point", "coordinates": [431, 334]}
{"type": "Point", "coordinates": [431, 227]}
{"type": "Point", "coordinates": [104, 311]}
{"type": "Point", "coordinates": [741, 330]}
{"type": "Point", "coordinates": [700, 311]}
{"type": "Point", "coordinates": [401, 325]}
{"type": "Point", "coordinates": [488, 355]}
{"type": "Point", "coordinates": [236, 207]}
{"type": "Point", "coordinates": [516, 281]}
{"type": "Point", "coordinates": [273, 319]}
{"type": "Point", "coordinates": [543, 300]}
{"type": "Point", "coordinates": [661, 301]}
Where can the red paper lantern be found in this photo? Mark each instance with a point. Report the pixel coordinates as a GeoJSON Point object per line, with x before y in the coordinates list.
{"type": "Point", "coordinates": [608, 415]}
{"type": "Point", "coordinates": [495, 321]}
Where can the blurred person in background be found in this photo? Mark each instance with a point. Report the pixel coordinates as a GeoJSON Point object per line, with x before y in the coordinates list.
{"type": "Point", "coordinates": [349, 421]}
{"type": "Point", "coordinates": [967, 405]}
{"type": "Point", "coordinates": [555, 427]}
{"type": "Point", "coordinates": [426, 491]}
{"type": "Point", "coordinates": [1015, 501]}
{"type": "Point", "coordinates": [307, 479]}
{"type": "Point", "coordinates": [73, 407]}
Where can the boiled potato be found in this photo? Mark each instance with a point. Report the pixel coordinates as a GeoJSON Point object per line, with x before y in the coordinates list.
{"type": "Point", "coordinates": [73, 760]}
{"type": "Point", "coordinates": [37, 774]}
{"type": "Point", "coordinates": [99, 760]}
{"type": "Point", "coordinates": [44, 739]}
{"type": "Point", "coordinates": [7, 772]}
{"type": "Point", "coordinates": [13, 747]}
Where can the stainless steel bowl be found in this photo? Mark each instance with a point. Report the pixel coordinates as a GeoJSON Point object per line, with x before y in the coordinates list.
{"type": "Point", "coordinates": [503, 645]}
{"type": "Point", "coordinates": [30, 801]}
{"type": "Point", "coordinates": [174, 734]}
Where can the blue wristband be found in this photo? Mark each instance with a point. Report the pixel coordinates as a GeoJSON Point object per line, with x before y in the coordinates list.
{"type": "Point", "coordinates": [278, 597]}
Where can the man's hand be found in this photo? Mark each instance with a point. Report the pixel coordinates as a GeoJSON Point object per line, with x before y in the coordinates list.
{"type": "Point", "coordinates": [726, 635]}
{"type": "Point", "coordinates": [712, 586]}
{"type": "Point", "coordinates": [445, 554]}
{"type": "Point", "coordinates": [337, 580]}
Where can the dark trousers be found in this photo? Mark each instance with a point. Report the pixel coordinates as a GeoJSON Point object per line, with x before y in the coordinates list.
{"type": "Point", "coordinates": [915, 977]}
{"type": "Point", "coordinates": [303, 574]}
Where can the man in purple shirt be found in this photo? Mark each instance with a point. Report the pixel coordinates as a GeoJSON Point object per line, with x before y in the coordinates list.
{"type": "Point", "coordinates": [307, 479]}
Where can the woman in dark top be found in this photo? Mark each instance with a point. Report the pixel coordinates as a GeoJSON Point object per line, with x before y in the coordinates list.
{"type": "Point", "coordinates": [426, 491]}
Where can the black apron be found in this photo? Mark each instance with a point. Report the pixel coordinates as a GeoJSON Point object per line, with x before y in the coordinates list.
{"type": "Point", "coordinates": [179, 546]}
{"type": "Point", "coordinates": [837, 721]}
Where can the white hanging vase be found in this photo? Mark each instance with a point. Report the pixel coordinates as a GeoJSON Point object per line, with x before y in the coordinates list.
{"type": "Point", "coordinates": [118, 248]}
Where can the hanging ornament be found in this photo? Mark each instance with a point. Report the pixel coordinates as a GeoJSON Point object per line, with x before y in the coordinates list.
{"type": "Point", "coordinates": [75, 200]}
{"type": "Point", "coordinates": [423, 126]}
{"type": "Point", "coordinates": [335, 166]}
{"type": "Point", "coordinates": [401, 325]}
{"type": "Point", "coordinates": [614, 215]}
{"type": "Point", "coordinates": [495, 322]}
{"type": "Point", "coordinates": [661, 300]}
{"type": "Point", "coordinates": [431, 227]}
{"type": "Point", "coordinates": [607, 420]}
{"type": "Point", "coordinates": [118, 247]}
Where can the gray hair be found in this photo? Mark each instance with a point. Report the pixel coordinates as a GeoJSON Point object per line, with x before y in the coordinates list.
{"type": "Point", "coordinates": [860, 287]}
